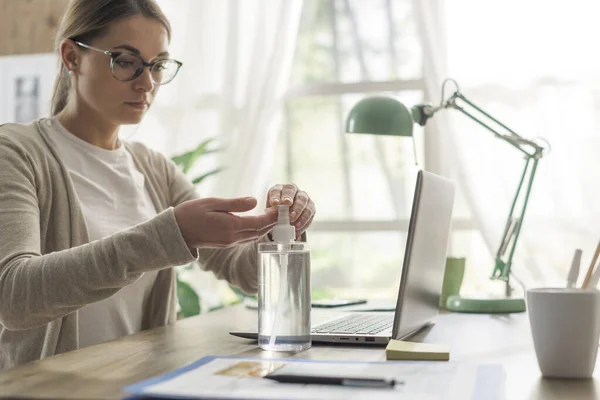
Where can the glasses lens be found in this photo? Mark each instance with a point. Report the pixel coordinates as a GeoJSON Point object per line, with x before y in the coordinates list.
{"type": "Point", "coordinates": [126, 66]}
{"type": "Point", "coordinates": [164, 71]}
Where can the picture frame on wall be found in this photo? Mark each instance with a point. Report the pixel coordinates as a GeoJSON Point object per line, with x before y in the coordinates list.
{"type": "Point", "coordinates": [26, 85]}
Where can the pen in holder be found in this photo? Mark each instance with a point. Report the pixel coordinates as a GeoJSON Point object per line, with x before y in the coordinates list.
{"type": "Point", "coordinates": [591, 278]}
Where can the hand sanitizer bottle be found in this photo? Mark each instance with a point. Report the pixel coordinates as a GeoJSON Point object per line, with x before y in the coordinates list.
{"type": "Point", "coordinates": [284, 290]}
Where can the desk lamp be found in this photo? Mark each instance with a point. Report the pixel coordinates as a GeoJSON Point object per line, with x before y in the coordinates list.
{"type": "Point", "coordinates": [387, 116]}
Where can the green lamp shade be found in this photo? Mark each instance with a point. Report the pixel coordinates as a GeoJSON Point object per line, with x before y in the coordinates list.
{"type": "Point", "coordinates": [380, 116]}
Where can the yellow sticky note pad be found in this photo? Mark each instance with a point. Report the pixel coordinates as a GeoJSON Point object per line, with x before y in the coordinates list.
{"type": "Point", "coordinates": [401, 350]}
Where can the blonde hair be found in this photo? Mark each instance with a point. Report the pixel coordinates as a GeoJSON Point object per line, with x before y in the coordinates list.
{"type": "Point", "coordinates": [86, 20]}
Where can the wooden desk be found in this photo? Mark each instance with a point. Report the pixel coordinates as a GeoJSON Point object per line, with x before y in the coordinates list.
{"type": "Point", "coordinates": [100, 371]}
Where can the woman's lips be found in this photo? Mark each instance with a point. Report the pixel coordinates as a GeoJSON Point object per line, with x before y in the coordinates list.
{"type": "Point", "coordinates": [142, 105]}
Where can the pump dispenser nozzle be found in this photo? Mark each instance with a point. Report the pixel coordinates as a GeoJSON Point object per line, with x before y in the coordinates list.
{"type": "Point", "coordinates": [283, 232]}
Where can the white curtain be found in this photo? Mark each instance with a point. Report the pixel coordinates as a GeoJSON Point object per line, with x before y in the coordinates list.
{"type": "Point", "coordinates": [532, 65]}
{"type": "Point", "coordinates": [237, 57]}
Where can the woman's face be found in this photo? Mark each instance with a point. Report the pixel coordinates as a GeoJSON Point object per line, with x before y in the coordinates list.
{"type": "Point", "coordinates": [117, 101]}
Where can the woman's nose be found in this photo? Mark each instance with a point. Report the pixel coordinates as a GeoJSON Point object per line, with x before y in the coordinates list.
{"type": "Point", "coordinates": [144, 81]}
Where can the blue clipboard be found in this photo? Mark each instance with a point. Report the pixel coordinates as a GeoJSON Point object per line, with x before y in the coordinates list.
{"type": "Point", "coordinates": [137, 389]}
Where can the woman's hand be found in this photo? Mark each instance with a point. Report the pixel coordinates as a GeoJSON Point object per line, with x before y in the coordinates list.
{"type": "Point", "coordinates": [209, 222]}
{"type": "Point", "coordinates": [302, 208]}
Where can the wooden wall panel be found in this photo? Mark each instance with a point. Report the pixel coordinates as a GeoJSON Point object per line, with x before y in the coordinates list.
{"type": "Point", "coordinates": [29, 26]}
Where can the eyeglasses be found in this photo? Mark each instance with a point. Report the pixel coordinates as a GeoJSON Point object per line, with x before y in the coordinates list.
{"type": "Point", "coordinates": [127, 66]}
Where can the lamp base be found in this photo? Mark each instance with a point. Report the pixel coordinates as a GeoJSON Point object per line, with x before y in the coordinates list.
{"type": "Point", "coordinates": [483, 305]}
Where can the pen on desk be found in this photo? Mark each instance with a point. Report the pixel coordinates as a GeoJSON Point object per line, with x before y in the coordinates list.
{"type": "Point", "coordinates": [574, 271]}
{"type": "Point", "coordinates": [335, 380]}
{"type": "Point", "coordinates": [588, 275]}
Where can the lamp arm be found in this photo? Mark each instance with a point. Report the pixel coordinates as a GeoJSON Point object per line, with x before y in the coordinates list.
{"type": "Point", "coordinates": [528, 147]}
{"type": "Point", "coordinates": [514, 221]}
{"type": "Point", "coordinates": [532, 151]}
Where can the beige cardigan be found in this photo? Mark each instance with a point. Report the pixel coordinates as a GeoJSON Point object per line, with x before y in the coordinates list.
{"type": "Point", "coordinates": [48, 268]}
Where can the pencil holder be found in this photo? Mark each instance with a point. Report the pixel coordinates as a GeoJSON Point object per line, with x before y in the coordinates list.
{"type": "Point", "coordinates": [565, 325]}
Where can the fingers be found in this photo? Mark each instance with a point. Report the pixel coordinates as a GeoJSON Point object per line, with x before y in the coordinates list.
{"type": "Point", "coordinates": [256, 223]}
{"type": "Point", "coordinates": [306, 217]}
{"type": "Point", "coordinates": [274, 196]}
{"type": "Point", "coordinates": [245, 229]}
{"type": "Point", "coordinates": [288, 193]}
{"type": "Point", "coordinates": [302, 210]}
{"type": "Point", "coordinates": [282, 194]}
{"type": "Point", "coordinates": [240, 204]}
{"type": "Point", "coordinates": [300, 203]}
{"type": "Point", "coordinates": [251, 236]}
{"type": "Point", "coordinates": [299, 232]}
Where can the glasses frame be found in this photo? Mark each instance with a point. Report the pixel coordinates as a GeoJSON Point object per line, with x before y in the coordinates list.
{"type": "Point", "coordinates": [114, 54]}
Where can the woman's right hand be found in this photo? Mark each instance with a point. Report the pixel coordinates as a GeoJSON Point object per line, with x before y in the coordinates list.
{"type": "Point", "coordinates": [209, 223]}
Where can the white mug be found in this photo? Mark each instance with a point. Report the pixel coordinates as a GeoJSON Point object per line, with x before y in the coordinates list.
{"type": "Point", "coordinates": [565, 324]}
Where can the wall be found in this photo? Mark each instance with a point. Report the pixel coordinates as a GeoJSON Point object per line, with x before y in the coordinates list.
{"type": "Point", "coordinates": [28, 26]}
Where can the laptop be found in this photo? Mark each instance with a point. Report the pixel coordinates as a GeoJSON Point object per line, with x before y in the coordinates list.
{"type": "Point", "coordinates": [421, 278]}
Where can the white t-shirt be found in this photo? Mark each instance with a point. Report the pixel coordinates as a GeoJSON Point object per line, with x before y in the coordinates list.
{"type": "Point", "coordinates": [113, 198]}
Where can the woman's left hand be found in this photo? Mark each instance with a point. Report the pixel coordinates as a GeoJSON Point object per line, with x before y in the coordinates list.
{"type": "Point", "coordinates": [302, 208]}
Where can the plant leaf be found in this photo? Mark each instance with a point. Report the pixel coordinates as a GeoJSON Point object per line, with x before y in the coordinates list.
{"type": "Point", "coordinates": [215, 308]}
{"type": "Point", "coordinates": [200, 178]}
{"type": "Point", "coordinates": [188, 159]}
{"type": "Point", "coordinates": [188, 299]}
{"type": "Point", "coordinates": [181, 159]}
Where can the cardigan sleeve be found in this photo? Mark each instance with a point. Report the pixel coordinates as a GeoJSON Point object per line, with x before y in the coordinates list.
{"type": "Point", "coordinates": [237, 264]}
{"type": "Point", "coordinates": [36, 288]}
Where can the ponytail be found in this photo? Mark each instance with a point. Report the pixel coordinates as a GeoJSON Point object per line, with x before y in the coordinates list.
{"type": "Point", "coordinates": [61, 91]}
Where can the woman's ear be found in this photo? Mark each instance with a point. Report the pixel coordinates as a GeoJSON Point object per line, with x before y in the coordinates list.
{"type": "Point", "coordinates": [69, 54]}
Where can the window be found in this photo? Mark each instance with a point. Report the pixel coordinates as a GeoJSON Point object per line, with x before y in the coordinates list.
{"type": "Point", "coordinates": [362, 185]}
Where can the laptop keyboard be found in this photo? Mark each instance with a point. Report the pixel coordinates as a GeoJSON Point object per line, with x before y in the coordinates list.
{"type": "Point", "coordinates": [365, 324]}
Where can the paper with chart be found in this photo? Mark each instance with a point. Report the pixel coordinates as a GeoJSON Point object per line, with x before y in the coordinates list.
{"type": "Point", "coordinates": [233, 378]}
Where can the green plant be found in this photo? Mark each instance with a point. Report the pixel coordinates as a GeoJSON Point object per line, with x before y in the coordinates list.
{"type": "Point", "coordinates": [189, 301]}
{"type": "Point", "coordinates": [187, 160]}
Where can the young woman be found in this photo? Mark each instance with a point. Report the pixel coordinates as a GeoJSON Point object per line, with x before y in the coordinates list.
{"type": "Point", "coordinates": [90, 225]}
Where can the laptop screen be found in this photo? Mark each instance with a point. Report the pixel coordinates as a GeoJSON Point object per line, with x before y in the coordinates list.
{"type": "Point", "coordinates": [425, 254]}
